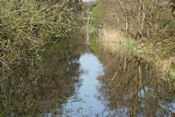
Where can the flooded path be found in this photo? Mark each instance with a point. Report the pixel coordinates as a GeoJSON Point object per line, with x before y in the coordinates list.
{"type": "Point", "coordinates": [71, 81]}
{"type": "Point", "coordinates": [85, 102]}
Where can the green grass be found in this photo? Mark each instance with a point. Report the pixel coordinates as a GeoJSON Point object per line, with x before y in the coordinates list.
{"type": "Point", "coordinates": [93, 42]}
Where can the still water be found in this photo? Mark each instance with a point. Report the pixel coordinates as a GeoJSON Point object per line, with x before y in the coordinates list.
{"type": "Point", "coordinates": [88, 103]}
{"type": "Point", "coordinates": [71, 81]}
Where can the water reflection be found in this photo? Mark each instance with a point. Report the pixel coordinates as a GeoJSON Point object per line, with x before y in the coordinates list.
{"type": "Point", "coordinates": [32, 89]}
{"type": "Point", "coordinates": [133, 88]}
{"type": "Point", "coordinates": [71, 81]}
{"type": "Point", "coordinates": [87, 104]}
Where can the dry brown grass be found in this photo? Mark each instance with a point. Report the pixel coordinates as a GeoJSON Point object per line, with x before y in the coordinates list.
{"type": "Point", "coordinates": [110, 40]}
{"type": "Point", "coordinates": [116, 42]}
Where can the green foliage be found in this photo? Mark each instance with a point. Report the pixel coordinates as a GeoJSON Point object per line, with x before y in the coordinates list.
{"type": "Point", "coordinates": [95, 18]}
{"type": "Point", "coordinates": [31, 90]}
{"type": "Point", "coordinates": [93, 42]}
{"type": "Point", "coordinates": [95, 24]}
{"type": "Point", "coordinates": [27, 25]}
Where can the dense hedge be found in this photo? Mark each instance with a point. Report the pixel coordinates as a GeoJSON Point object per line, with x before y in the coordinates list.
{"type": "Point", "coordinates": [26, 25]}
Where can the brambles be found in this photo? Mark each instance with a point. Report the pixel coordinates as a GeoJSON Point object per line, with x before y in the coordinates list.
{"type": "Point", "coordinates": [28, 25]}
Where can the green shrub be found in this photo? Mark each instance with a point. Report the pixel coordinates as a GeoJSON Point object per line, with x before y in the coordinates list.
{"type": "Point", "coordinates": [28, 25]}
{"type": "Point", "coordinates": [95, 17]}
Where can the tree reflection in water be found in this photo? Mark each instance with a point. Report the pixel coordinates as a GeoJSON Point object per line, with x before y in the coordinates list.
{"type": "Point", "coordinates": [31, 90]}
{"type": "Point", "coordinates": [133, 88]}
{"type": "Point", "coordinates": [130, 86]}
